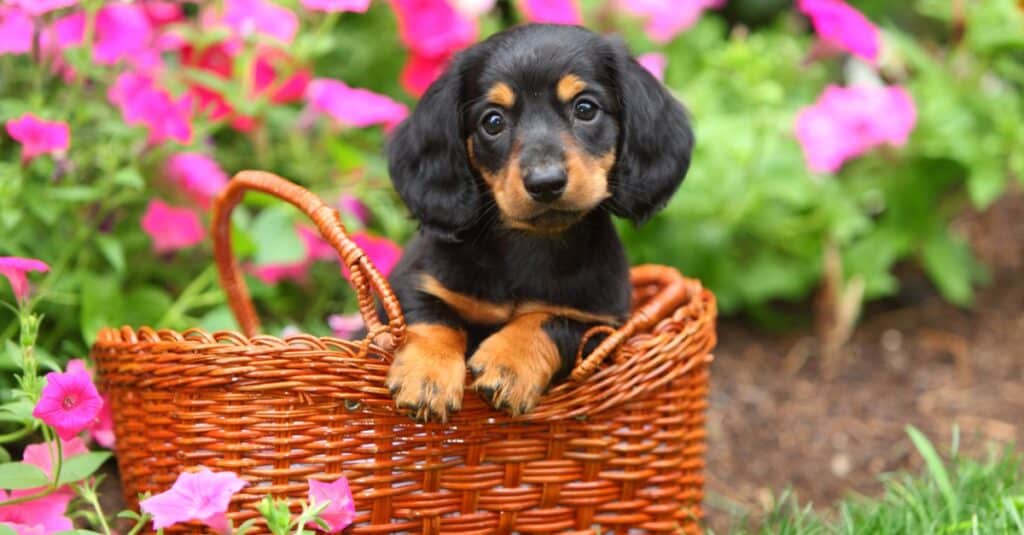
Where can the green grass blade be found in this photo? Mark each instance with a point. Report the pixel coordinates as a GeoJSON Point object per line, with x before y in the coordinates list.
{"type": "Point", "coordinates": [1011, 509]}
{"type": "Point", "coordinates": [936, 469]}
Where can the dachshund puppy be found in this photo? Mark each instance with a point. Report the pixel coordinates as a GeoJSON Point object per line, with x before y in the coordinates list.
{"type": "Point", "coordinates": [513, 163]}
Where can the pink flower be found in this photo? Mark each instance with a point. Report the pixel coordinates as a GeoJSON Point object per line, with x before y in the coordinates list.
{"type": "Point", "coordinates": [69, 403]}
{"type": "Point", "coordinates": [848, 121]}
{"type": "Point", "coordinates": [552, 11]}
{"type": "Point", "coordinates": [102, 430]}
{"type": "Point", "coordinates": [421, 71]}
{"type": "Point", "coordinates": [261, 16]}
{"type": "Point", "coordinates": [38, 136]}
{"type": "Point", "coordinates": [197, 174]}
{"type": "Point", "coordinates": [202, 496]}
{"type": "Point", "coordinates": [40, 7]}
{"type": "Point", "coordinates": [123, 31]}
{"type": "Point", "coordinates": [655, 63]}
{"type": "Point", "coordinates": [345, 325]}
{"type": "Point", "coordinates": [433, 28]}
{"type": "Point", "coordinates": [351, 206]}
{"type": "Point", "coordinates": [341, 510]}
{"type": "Point", "coordinates": [142, 102]}
{"type": "Point", "coordinates": [41, 515]}
{"type": "Point", "coordinates": [357, 6]}
{"type": "Point", "coordinates": [354, 106]}
{"type": "Point", "coordinates": [667, 18]}
{"type": "Point", "coordinates": [15, 268]}
{"type": "Point", "coordinates": [161, 13]}
{"type": "Point", "coordinates": [841, 25]}
{"type": "Point", "coordinates": [472, 9]}
{"type": "Point", "coordinates": [39, 454]}
{"type": "Point", "coordinates": [317, 248]}
{"type": "Point", "coordinates": [171, 228]}
{"type": "Point", "coordinates": [15, 31]}
{"type": "Point", "coordinates": [382, 252]}
{"type": "Point", "coordinates": [275, 273]}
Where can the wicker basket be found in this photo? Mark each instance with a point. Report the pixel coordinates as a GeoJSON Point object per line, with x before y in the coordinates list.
{"type": "Point", "coordinates": [619, 448]}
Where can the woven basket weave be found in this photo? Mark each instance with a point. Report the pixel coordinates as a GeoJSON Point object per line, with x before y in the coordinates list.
{"type": "Point", "coordinates": [617, 449]}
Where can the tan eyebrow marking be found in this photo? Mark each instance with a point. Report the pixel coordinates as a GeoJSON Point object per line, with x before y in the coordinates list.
{"type": "Point", "coordinates": [569, 86]}
{"type": "Point", "coordinates": [501, 94]}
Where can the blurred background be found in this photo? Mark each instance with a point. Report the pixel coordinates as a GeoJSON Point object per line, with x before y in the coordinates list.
{"type": "Point", "coordinates": [854, 200]}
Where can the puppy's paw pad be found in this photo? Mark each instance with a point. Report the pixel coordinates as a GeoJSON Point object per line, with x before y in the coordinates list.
{"type": "Point", "coordinates": [505, 386]}
{"type": "Point", "coordinates": [427, 393]}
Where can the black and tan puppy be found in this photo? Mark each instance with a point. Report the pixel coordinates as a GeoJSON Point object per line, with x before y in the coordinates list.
{"type": "Point", "coordinates": [514, 162]}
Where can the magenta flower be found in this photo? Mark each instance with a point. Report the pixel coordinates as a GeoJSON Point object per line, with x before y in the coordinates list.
{"type": "Point", "coordinates": [383, 252]}
{"type": "Point", "coordinates": [69, 403]}
{"type": "Point", "coordinates": [275, 273]}
{"type": "Point", "coordinates": [351, 206]}
{"type": "Point", "coordinates": [202, 496]}
{"type": "Point", "coordinates": [668, 18]}
{"type": "Point", "coordinates": [40, 7]}
{"type": "Point", "coordinates": [15, 268]}
{"type": "Point", "coordinates": [341, 509]}
{"type": "Point", "coordinates": [655, 63]}
{"type": "Point", "coordinates": [357, 6]}
{"type": "Point", "coordinates": [353, 106]}
{"type": "Point", "coordinates": [171, 228]}
{"type": "Point", "coordinates": [246, 17]}
{"type": "Point", "coordinates": [843, 26]}
{"type": "Point", "coordinates": [163, 12]}
{"type": "Point", "coordinates": [345, 325]}
{"type": "Point", "coordinates": [848, 121]}
{"type": "Point", "coordinates": [143, 103]}
{"type": "Point", "coordinates": [433, 28]}
{"type": "Point", "coordinates": [317, 248]}
{"type": "Point", "coordinates": [38, 136]}
{"type": "Point", "coordinates": [421, 71]}
{"type": "Point", "coordinates": [102, 430]}
{"type": "Point", "coordinates": [552, 11]}
{"type": "Point", "coordinates": [472, 9]}
{"type": "Point", "coordinates": [197, 174]}
{"type": "Point", "coordinates": [28, 518]}
{"type": "Point", "coordinates": [123, 31]}
{"type": "Point", "coordinates": [15, 31]}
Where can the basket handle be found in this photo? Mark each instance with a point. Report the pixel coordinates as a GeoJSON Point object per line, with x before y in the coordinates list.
{"type": "Point", "coordinates": [363, 276]}
{"type": "Point", "coordinates": [672, 294]}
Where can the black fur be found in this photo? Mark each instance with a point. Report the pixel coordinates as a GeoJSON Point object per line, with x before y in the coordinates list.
{"type": "Point", "coordinates": [463, 242]}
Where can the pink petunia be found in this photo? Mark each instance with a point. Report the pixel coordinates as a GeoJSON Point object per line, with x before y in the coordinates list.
{"type": "Point", "coordinates": [848, 121]}
{"type": "Point", "coordinates": [38, 136]}
{"type": "Point", "coordinates": [41, 7]}
{"type": "Point", "coordinates": [421, 71]}
{"type": "Point", "coordinates": [315, 248]}
{"type": "Point", "coordinates": [246, 17]}
{"type": "Point", "coordinates": [383, 252]}
{"type": "Point", "coordinates": [123, 32]}
{"type": "Point", "coordinates": [16, 31]}
{"type": "Point", "coordinates": [69, 403]}
{"type": "Point", "coordinates": [142, 102]}
{"type": "Point", "coordinates": [345, 325]}
{"type": "Point", "coordinates": [655, 63]}
{"type": "Point", "coordinates": [353, 106]}
{"type": "Point", "coordinates": [197, 174]}
{"type": "Point", "coordinates": [841, 25]}
{"type": "Point", "coordinates": [433, 28]}
{"type": "Point", "coordinates": [668, 18]}
{"type": "Point", "coordinates": [356, 6]}
{"type": "Point", "coordinates": [163, 12]}
{"type": "Point", "coordinates": [341, 508]}
{"type": "Point", "coordinates": [552, 11]}
{"type": "Point", "coordinates": [41, 515]}
{"type": "Point", "coordinates": [102, 430]}
{"type": "Point", "coordinates": [202, 496]}
{"type": "Point", "coordinates": [472, 9]}
{"type": "Point", "coordinates": [356, 209]}
{"type": "Point", "coordinates": [171, 228]}
{"type": "Point", "coordinates": [15, 268]}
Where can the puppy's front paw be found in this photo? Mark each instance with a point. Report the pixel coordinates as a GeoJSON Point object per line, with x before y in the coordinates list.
{"type": "Point", "coordinates": [513, 367]}
{"type": "Point", "coordinates": [428, 373]}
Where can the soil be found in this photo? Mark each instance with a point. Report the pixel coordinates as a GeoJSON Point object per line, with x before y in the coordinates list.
{"type": "Point", "coordinates": [775, 422]}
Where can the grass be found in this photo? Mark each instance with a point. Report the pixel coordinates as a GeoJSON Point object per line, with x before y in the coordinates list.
{"type": "Point", "coordinates": [962, 496]}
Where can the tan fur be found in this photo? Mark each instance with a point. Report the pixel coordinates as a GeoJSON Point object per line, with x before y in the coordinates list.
{"type": "Point", "coordinates": [514, 366]}
{"type": "Point", "coordinates": [429, 372]}
{"type": "Point", "coordinates": [469, 308]}
{"type": "Point", "coordinates": [501, 94]}
{"type": "Point", "coordinates": [569, 86]}
{"type": "Point", "coordinates": [587, 174]}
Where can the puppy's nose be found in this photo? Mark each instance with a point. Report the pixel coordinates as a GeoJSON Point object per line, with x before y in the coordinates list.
{"type": "Point", "coordinates": [545, 184]}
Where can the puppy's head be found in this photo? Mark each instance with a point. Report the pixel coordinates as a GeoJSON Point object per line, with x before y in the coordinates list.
{"type": "Point", "coordinates": [548, 123]}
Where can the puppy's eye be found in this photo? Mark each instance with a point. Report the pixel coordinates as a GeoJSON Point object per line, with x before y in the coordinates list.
{"type": "Point", "coordinates": [493, 123]}
{"type": "Point", "coordinates": [585, 110]}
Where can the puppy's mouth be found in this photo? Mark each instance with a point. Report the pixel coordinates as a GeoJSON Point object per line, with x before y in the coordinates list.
{"type": "Point", "coordinates": [551, 220]}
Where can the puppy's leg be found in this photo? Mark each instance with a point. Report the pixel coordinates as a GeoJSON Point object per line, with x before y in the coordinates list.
{"type": "Point", "coordinates": [516, 365]}
{"type": "Point", "coordinates": [429, 371]}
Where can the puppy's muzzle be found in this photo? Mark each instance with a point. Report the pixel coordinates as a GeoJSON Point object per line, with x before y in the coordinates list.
{"type": "Point", "coordinates": [546, 183]}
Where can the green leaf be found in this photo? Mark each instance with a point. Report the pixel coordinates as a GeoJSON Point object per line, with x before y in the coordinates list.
{"type": "Point", "coordinates": [936, 468]}
{"type": "Point", "coordinates": [129, 177]}
{"type": "Point", "coordinates": [948, 263]}
{"type": "Point", "coordinates": [219, 319]}
{"type": "Point", "coordinates": [277, 242]}
{"type": "Point", "coordinates": [101, 304]}
{"type": "Point", "coordinates": [10, 357]}
{"type": "Point", "coordinates": [82, 466]}
{"type": "Point", "coordinates": [75, 193]}
{"type": "Point", "coordinates": [985, 184]}
{"type": "Point", "coordinates": [17, 411]}
{"type": "Point", "coordinates": [17, 476]}
{"type": "Point", "coordinates": [5, 530]}
{"type": "Point", "coordinates": [5, 456]}
{"type": "Point", "coordinates": [146, 305]}
{"type": "Point", "coordinates": [112, 250]}
{"type": "Point", "coordinates": [78, 532]}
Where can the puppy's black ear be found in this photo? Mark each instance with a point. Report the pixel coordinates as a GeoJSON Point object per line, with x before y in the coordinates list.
{"type": "Point", "coordinates": [429, 165]}
{"type": "Point", "coordinates": [655, 143]}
